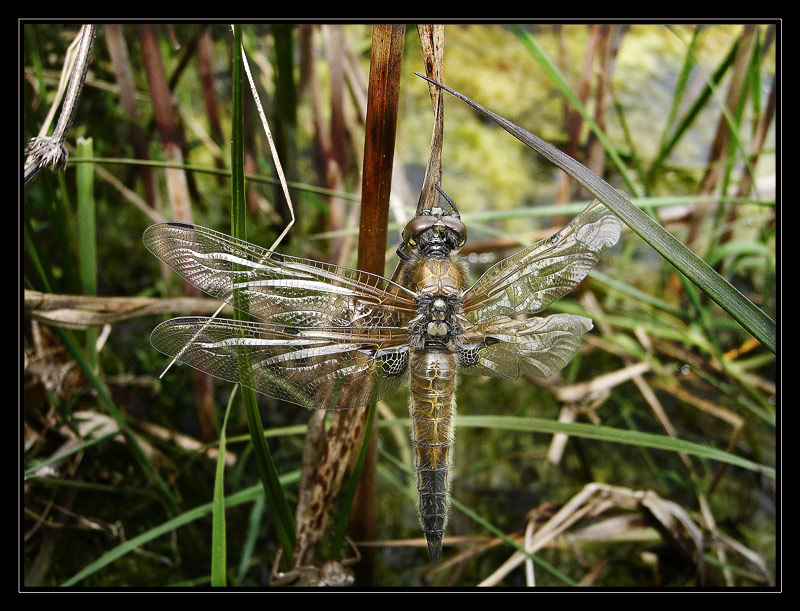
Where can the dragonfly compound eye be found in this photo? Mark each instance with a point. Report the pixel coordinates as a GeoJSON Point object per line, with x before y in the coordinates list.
{"type": "Point", "coordinates": [416, 226]}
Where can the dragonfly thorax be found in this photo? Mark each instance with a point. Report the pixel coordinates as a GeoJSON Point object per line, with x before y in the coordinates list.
{"type": "Point", "coordinates": [436, 324]}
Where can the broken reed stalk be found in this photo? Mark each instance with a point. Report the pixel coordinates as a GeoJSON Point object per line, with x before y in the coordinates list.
{"type": "Point", "coordinates": [49, 151]}
{"type": "Point", "coordinates": [431, 38]}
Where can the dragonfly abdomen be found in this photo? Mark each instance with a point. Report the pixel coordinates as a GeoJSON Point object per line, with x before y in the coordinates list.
{"type": "Point", "coordinates": [432, 383]}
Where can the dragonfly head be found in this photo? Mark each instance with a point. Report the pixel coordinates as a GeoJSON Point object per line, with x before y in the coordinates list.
{"type": "Point", "coordinates": [434, 233]}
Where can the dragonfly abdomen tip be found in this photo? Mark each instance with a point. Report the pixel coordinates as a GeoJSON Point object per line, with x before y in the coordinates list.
{"type": "Point", "coordinates": [434, 546]}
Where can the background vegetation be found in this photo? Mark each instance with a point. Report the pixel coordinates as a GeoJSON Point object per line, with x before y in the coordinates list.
{"type": "Point", "coordinates": [119, 466]}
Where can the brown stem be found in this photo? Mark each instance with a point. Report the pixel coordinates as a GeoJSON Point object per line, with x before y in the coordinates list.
{"type": "Point", "coordinates": [381, 127]}
{"type": "Point", "coordinates": [118, 50]}
{"type": "Point", "coordinates": [177, 185]}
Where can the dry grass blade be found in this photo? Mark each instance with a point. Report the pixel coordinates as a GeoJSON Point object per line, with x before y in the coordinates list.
{"type": "Point", "coordinates": [83, 312]}
{"type": "Point", "coordinates": [596, 500]}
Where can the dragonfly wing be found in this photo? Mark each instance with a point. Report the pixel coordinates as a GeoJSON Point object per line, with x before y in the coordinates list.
{"type": "Point", "coordinates": [279, 289]}
{"type": "Point", "coordinates": [507, 348]}
{"type": "Point", "coordinates": [533, 278]}
{"type": "Point", "coordinates": [312, 367]}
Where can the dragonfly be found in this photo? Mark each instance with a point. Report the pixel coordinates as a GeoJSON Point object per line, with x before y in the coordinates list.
{"type": "Point", "coordinates": [328, 335]}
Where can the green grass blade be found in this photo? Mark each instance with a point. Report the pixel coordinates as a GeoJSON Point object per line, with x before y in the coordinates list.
{"type": "Point", "coordinates": [614, 435]}
{"type": "Point", "coordinates": [600, 433]}
{"type": "Point", "coordinates": [683, 78]}
{"type": "Point", "coordinates": [499, 533]}
{"type": "Point", "coordinates": [145, 465]}
{"type": "Point", "coordinates": [680, 88]}
{"type": "Point", "coordinates": [36, 465]}
{"type": "Point", "coordinates": [30, 248]}
{"type": "Point", "coordinates": [87, 242]}
{"type": "Point", "coordinates": [218, 544]}
{"type": "Point", "coordinates": [694, 110]}
{"type": "Point", "coordinates": [259, 178]}
{"type": "Point", "coordinates": [284, 523]}
{"type": "Point", "coordinates": [254, 522]}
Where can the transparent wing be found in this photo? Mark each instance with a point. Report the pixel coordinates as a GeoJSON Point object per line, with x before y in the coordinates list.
{"type": "Point", "coordinates": [313, 367]}
{"type": "Point", "coordinates": [533, 278]}
{"type": "Point", "coordinates": [278, 289]}
{"type": "Point", "coordinates": [507, 348]}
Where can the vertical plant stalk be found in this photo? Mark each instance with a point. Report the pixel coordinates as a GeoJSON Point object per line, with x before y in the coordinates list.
{"type": "Point", "coordinates": [118, 51]}
{"type": "Point", "coordinates": [324, 454]}
{"type": "Point", "coordinates": [608, 48]}
{"type": "Point", "coordinates": [285, 114]}
{"type": "Point", "coordinates": [381, 127]}
{"type": "Point", "coordinates": [282, 516]}
{"type": "Point", "coordinates": [431, 37]}
{"type": "Point", "coordinates": [218, 530]}
{"type": "Point", "coordinates": [205, 68]}
{"type": "Point", "coordinates": [177, 186]}
{"type": "Point", "coordinates": [573, 120]}
{"type": "Point", "coordinates": [722, 136]}
{"type": "Point", "coordinates": [166, 125]}
{"type": "Point", "coordinates": [87, 234]}
{"type": "Point", "coordinates": [334, 153]}
{"type": "Point", "coordinates": [50, 152]}
{"type": "Point", "coordinates": [760, 138]}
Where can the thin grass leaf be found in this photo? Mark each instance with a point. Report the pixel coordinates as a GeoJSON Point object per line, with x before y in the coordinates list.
{"type": "Point", "coordinates": [754, 78]}
{"type": "Point", "coordinates": [31, 469]}
{"type": "Point", "coordinates": [258, 178]}
{"type": "Point", "coordinates": [87, 244]}
{"type": "Point", "coordinates": [600, 433]}
{"type": "Point", "coordinates": [739, 248]}
{"type": "Point", "coordinates": [145, 465]}
{"type": "Point", "coordinates": [285, 111]}
{"type": "Point", "coordinates": [636, 294]}
{"type": "Point", "coordinates": [284, 523]}
{"type": "Point", "coordinates": [694, 110]}
{"type": "Point", "coordinates": [253, 527]}
{"type": "Point", "coordinates": [614, 435]}
{"type": "Point", "coordinates": [733, 116]}
{"type": "Point", "coordinates": [756, 322]}
{"type": "Point", "coordinates": [680, 86]}
{"type": "Point", "coordinates": [33, 253]}
{"type": "Point", "coordinates": [499, 533]}
{"type": "Point", "coordinates": [218, 544]}
{"type": "Point", "coordinates": [636, 158]}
